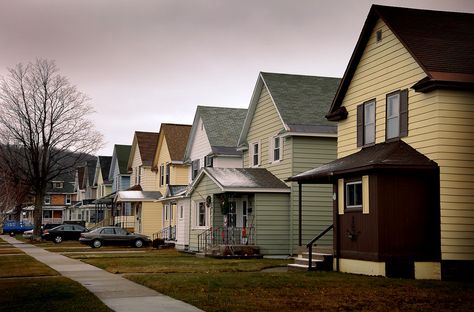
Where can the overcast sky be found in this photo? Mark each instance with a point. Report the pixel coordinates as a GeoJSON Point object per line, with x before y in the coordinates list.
{"type": "Point", "coordinates": [147, 62]}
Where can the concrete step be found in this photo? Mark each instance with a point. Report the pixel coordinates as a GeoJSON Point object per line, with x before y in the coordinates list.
{"type": "Point", "coordinates": [316, 255]}
{"type": "Point", "coordinates": [297, 267]}
{"type": "Point", "coordinates": [305, 261]}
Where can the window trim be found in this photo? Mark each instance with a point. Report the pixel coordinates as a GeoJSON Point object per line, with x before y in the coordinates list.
{"type": "Point", "coordinates": [361, 123]}
{"type": "Point", "coordinates": [168, 174]}
{"type": "Point", "coordinates": [66, 201]}
{"type": "Point", "coordinates": [195, 164]}
{"type": "Point", "coordinates": [348, 207]}
{"type": "Point", "coordinates": [47, 199]}
{"type": "Point", "coordinates": [253, 154]}
{"type": "Point", "coordinates": [197, 213]}
{"type": "Point", "coordinates": [402, 114]}
{"type": "Point", "coordinates": [162, 174]}
{"type": "Point", "coordinates": [209, 161]}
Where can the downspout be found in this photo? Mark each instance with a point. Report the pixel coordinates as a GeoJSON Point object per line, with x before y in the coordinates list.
{"type": "Point", "coordinates": [300, 212]}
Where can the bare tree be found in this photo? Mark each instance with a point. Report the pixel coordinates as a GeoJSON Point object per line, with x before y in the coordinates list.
{"type": "Point", "coordinates": [44, 126]}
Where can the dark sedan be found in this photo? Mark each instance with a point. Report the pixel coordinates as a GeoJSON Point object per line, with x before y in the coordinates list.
{"type": "Point", "coordinates": [113, 235]}
{"type": "Point", "coordinates": [63, 232]}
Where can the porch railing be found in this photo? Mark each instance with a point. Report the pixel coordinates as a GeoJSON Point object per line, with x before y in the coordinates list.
{"type": "Point", "coordinates": [225, 236]}
{"type": "Point", "coordinates": [168, 234]}
{"type": "Point", "coordinates": [311, 244]}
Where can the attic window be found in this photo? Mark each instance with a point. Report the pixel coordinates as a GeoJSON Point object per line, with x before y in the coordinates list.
{"type": "Point", "coordinates": [58, 184]}
{"type": "Point", "coordinates": [378, 35]}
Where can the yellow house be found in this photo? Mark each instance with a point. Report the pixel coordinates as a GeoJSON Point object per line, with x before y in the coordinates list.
{"type": "Point", "coordinates": [170, 172]}
{"type": "Point", "coordinates": [143, 193]}
{"type": "Point", "coordinates": [404, 178]}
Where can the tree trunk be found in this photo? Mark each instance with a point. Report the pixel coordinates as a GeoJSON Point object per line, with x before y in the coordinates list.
{"type": "Point", "coordinates": [38, 214]}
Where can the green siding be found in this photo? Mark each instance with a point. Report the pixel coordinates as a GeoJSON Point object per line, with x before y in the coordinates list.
{"type": "Point", "coordinates": [317, 198]}
{"type": "Point", "coordinates": [271, 223]}
{"type": "Point", "coordinates": [206, 187]}
{"type": "Point", "coordinates": [266, 123]}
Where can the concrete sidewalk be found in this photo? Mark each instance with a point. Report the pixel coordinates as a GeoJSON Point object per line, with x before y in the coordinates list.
{"type": "Point", "coordinates": [115, 291]}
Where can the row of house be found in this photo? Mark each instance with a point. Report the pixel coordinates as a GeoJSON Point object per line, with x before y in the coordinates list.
{"type": "Point", "coordinates": [381, 160]}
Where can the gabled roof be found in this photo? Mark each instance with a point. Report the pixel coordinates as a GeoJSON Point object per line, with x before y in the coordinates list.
{"type": "Point", "coordinates": [394, 155]}
{"type": "Point", "coordinates": [90, 170]}
{"type": "Point", "coordinates": [80, 177]}
{"type": "Point", "coordinates": [222, 125]}
{"type": "Point", "coordinates": [120, 157]}
{"type": "Point", "coordinates": [146, 143]}
{"type": "Point", "coordinates": [442, 43]}
{"type": "Point", "coordinates": [176, 137]}
{"type": "Point", "coordinates": [104, 163]}
{"type": "Point", "coordinates": [67, 179]}
{"type": "Point", "coordinates": [301, 102]}
{"type": "Point", "coordinates": [242, 180]}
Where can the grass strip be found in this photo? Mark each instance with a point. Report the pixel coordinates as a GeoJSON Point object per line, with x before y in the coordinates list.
{"type": "Point", "coordinates": [47, 294]}
{"type": "Point", "coordinates": [23, 265]}
{"type": "Point", "coordinates": [315, 291]}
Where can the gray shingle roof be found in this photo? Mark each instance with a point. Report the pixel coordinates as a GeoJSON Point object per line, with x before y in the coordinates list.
{"type": "Point", "coordinates": [222, 124]}
{"type": "Point", "coordinates": [245, 179]}
{"type": "Point", "coordinates": [301, 100]}
{"type": "Point", "coordinates": [122, 154]}
{"type": "Point", "coordinates": [104, 162]}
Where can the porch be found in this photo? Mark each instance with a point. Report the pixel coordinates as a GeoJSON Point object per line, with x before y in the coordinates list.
{"type": "Point", "coordinates": [228, 242]}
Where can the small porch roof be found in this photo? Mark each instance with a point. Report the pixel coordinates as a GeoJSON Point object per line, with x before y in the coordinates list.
{"type": "Point", "coordinates": [392, 155]}
{"type": "Point", "coordinates": [174, 192]}
{"type": "Point", "coordinates": [254, 180]}
{"type": "Point", "coordinates": [107, 199]}
{"type": "Point", "coordinates": [137, 196]}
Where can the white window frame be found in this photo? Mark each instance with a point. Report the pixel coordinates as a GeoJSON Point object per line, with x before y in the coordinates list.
{"type": "Point", "coordinates": [58, 185]}
{"type": "Point", "coordinates": [181, 212]}
{"type": "Point", "coordinates": [369, 122]}
{"type": "Point", "coordinates": [254, 155]}
{"type": "Point", "coordinates": [393, 116]}
{"type": "Point", "coordinates": [68, 199]}
{"type": "Point", "coordinates": [348, 205]}
{"type": "Point", "coordinates": [195, 164]}
{"type": "Point", "coordinates": [273, 147]}
{"type": "Point", "coordinates": [162, 174]}
{"type": "Point", "coordinates": [47, 199]}
{"type": "Point", "coordinates": [196, 215]}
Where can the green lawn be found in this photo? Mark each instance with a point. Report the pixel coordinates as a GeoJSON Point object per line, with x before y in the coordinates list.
{"type": "Point", "coordinates": [239, 285]}
{"type": "Point", "coordinates": [29, 285]}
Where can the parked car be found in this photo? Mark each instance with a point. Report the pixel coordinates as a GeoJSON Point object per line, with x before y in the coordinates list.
{"type": "Point", "coordinates": [15, 227]}
{"type": "Point", "coordinates": [47, 226]}
{"type": "Point", "coordinates": [63, 232]}
{"type": "Point", "coordinates": [113, 235]}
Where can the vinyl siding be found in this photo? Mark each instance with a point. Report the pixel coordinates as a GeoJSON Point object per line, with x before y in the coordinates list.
{"type": "Point", "coordinates": [136, 162]}
{"type": "Point", "coordinates": [206, 187]}
{"type": "Point", "coordinates": [272, 228]}
{"type": "Point", "coordinates": [309, 153]}
{"type": "Point", "coordinates": [440, 125]}
{"type": "Point", "coordinates": [200, 147]}
{"type": "Point", "coordinates": [227, 162]}
{"type": "Point", "coordinates": [179, 175]}
{"type": "Point", "coordinates": [163, 158]}
{"type": "Point", "coordinates": [453, 149]}
{"type": "Point", "coordinates": [265, 124]}
{"type": "Point", "coordinates": [384, 67]}
{"type": "Point", "coordinates": [148, 179]}
{"type": "Point", "coordinates": [151, 218]}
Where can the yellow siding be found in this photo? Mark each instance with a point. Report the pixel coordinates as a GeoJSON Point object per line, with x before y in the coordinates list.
{"type": "Point", "coordinates": [148, 179]}
{"type": "Point", "coordinates": [179, 175]}
{"type": "Point", "coordinates": [151, 218]}
{"type": "Point", "coordinates": [441, 126]}
{"type": "Point", "coordinates": [163, 158]}
{"type": "Point", "coordinates": [136, 162]}
{"type": "Point", "coordinates": [265, 124]}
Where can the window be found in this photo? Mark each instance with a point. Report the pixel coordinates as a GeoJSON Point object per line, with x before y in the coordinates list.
{"type": "Point", "coordinates": [255, 154]}
{"type": "Point", "coordinates": [379, 35]}
{"type": "Point", "coordinates": [366, 123]}
{"type": "Point", "coordinates": [393, 116]}
{"type": "Point", "coordinates": [181, 212]}
{"type": "Point", "coordinates": [168, 167]}
{"type": "Point", "coordinates": [47, 199]}
{"type": "Point", "coordinates": [209, 161]}
{"type": "Point", "coordinates": [397, 115]}
{"type": "Point", "coordinates": [162, 174]}
{"type": "Point", "coordinates": [275, 149]}
{"type": "Point", "coordinates": [354, 194]}
{"type": "Point", "coordinates": [68, 199]}
{"type": "Point", "coordinates": [195, 168]}
{"type": "Point", "coordinates": [139, 175]}
{"type": "Point", "coordinates": [201, 217]}
{"type": "Point", "coordinates": [57, 184]}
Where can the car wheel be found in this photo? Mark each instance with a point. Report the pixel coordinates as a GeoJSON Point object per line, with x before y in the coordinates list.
{"type": "Point", "coordinates": [138, 243]}
{"type": "Point", "coordinates": [58, 239]}
{"type": "Point", "coordinates": [96, 243]}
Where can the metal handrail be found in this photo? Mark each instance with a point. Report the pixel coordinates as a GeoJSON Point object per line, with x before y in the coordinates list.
{"type": "Point", "coordinates": [311, 243]}
{"type": "Point", "coordinates": [225, 236]}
